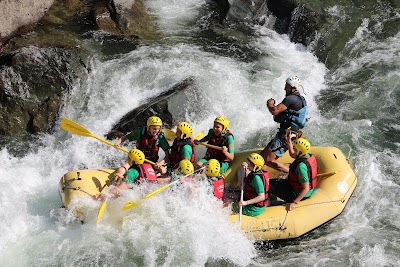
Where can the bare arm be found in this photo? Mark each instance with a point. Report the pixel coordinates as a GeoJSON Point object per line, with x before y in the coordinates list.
{"type": "Point", "coordinates": [260, 197]}
{"type": "Point", "coordinates": [228, 155]}
{"type": "Point", "coordinates": [290, 145]}
{"type": "Point", "coordinates": [275, 110]}
{"type": "Point", "coordinates": [306, 188]}
{"type": "Point", "coordinates": [119, 141]}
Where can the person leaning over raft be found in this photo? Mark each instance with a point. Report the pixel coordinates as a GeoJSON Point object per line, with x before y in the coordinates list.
{"type": "Point", "coordinates": [220, 136]}
{"type": "Point", "coordinates": [302, 178]}
{"type": "Point", "coordinates": [184, 167]}
{"type": "Point", "coordinates": [292, 112]}
{"type": "Point", "coordinates": [213, 173]}
{"type": "Point", "coordinates": [256, 187]}
{"type": "Point", "coordinates": [135, 171]}
{"type": "Point", "coordinates": [149, 139]}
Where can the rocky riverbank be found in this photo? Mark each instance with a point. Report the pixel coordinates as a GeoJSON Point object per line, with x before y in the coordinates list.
{"type": "Point", "coordinates": [43, 54]}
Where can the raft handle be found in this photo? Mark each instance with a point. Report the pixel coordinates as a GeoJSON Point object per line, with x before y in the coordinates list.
{"type": "Point", "coordinates": [67, 183]}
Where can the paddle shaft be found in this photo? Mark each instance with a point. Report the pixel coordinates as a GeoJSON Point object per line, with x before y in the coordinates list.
{"type": "Point", "coordinates": [241, 194]}
{"type": "Point", "coordinates": [101, 210]}
{"type": "Point", "coordinates": [168, 185]}
{"type": "Point", "coordinates": [76, 128]}
{"type": "Point", "coordinates": [326, 173]}
{"type": "Point", "coordinates": [208, 145]}
{"type": "Point", "coordinates": [120, 148]}
{"type": "Point", "coordinates": [133, 203]}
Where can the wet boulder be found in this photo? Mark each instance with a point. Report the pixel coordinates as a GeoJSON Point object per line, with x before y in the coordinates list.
{"type": "Point", "coordinates": [33, 82]}
{"type": "Point", "coordinates": [157, 106]}
{"type": "Point", "coordinates": [127, 18]}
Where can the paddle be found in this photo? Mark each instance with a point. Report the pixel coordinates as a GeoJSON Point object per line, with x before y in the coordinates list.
{"type": "Point", "coordinates": [75, 128]}
{"type": "Point", "coordinates": [208, 145]}
{"type": "Point", "coordinates": [171, 135]}
{"type": "Point", "coordinates": [241, 194]}
{"type": "Point", "coordinates": [134, 203]}
{"type": "Point", "coordinates": [101, 210]}
{"type": "Point", "coordinates": [198, 136]}
{"type": "Point", "coordinates": [326, 173]}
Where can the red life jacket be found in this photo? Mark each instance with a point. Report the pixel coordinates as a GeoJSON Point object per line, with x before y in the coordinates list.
{"type": "Point", "coordinates": [250, 192]}
{"type": "Point", "coordinates": [148, 144]}
{"type": "Point", "coordinates": [220, 141]}
{"type": "Point", "coordinates": [175, 156]}
{"type": "Point", "coordinates": [312, 171]}
{"type": "Point", "coordinates": [219, 186]}
{"type": "Point", "coordinates": [146, 173]}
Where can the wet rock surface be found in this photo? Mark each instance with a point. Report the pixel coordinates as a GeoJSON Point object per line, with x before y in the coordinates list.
{"type": "Point", "coordinates": [33, 82]}
{"type": "Point", "coordinates": [156, 106]}
{"type": "Point", "coordinates": [44, 51]}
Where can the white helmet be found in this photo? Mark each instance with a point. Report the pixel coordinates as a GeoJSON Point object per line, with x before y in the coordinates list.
{"type": "Point", "coordinates": [294, 82]}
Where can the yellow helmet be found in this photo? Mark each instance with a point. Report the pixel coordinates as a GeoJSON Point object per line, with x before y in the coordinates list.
{"type": "Point", "coordinates": [257, 160]}
{"type": "Point", "coordinates": [186, 129]}
{"type": "Point", "coordinates": [222, 120]}
{"type": "Point", "coordinates": [154, 121]}
{"type": "Point", "coordinates": [185, 167]}
{"type": "Point", "coordinates": [136, 156]}
{"type": "Point", "coordinates": [302, 145]}
{"type": "Point", "coordinates": [212, 168]}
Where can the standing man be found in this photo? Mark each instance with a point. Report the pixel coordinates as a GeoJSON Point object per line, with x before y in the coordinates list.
{"type": "Point", "coordinates": [290, 113]}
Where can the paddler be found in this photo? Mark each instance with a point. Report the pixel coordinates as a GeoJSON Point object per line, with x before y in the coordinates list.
{"type": "Point", "coordinates": [149, 139]}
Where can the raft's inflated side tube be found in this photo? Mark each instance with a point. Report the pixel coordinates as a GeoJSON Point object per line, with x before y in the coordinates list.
{"type": "Point", "coordinates": [328, 201]}
{"type": "Point", "coordinates": [84, 183]}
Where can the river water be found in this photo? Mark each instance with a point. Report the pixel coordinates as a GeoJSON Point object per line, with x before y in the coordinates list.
{"type": "Point", "coordinates": [354, 106]}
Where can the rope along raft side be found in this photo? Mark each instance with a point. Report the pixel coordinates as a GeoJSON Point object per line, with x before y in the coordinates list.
{"type": "Point", "coordinates": [328, 200]}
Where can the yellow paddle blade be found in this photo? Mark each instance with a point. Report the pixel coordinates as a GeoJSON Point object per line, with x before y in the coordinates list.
{"type": "Point", "coordinates": [169, 135]}
{"type": "Point", "coordinates": [198, 136]}
{"type": "Point", "coordinates": [130, 204]}
{"type": "Point", "coordinates": [73, 127]}
{"type": "Point", "coordinates": [101, 211]}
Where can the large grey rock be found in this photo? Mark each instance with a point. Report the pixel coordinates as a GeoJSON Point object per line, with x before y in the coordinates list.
{"type": "Point", "coordinates": [157, 106]}
{"type": "Point", "coordinates": [128, 18]}
{"type": "Point", "coordinates": [16, 14]}
{"type": "Point", "coordinates": [33, 82]}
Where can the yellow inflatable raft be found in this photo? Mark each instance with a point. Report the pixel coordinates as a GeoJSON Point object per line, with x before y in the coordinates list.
{"type": "Point", "coordinates": [328, 201]}
{"type": "Point", "coordinates": [336, 183]}
{"type": "Point", "coordinates": [84, 183]}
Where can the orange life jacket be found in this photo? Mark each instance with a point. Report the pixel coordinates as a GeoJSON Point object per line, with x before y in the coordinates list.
{"type": "Point", "coordinates": [250, 192]}
{"type": "Point", "coordinates": [175, 156]}
{"type": "Point", "coordinates": [220, 141]}
{"type": "Point", "coordinates": [146, 173]}
{"type": "Point", "coordinates": [312, 171]}
{"type": "Point", "coordinates": [148, 144]}
{"type": "Point", "coordinates": [219, 187]}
